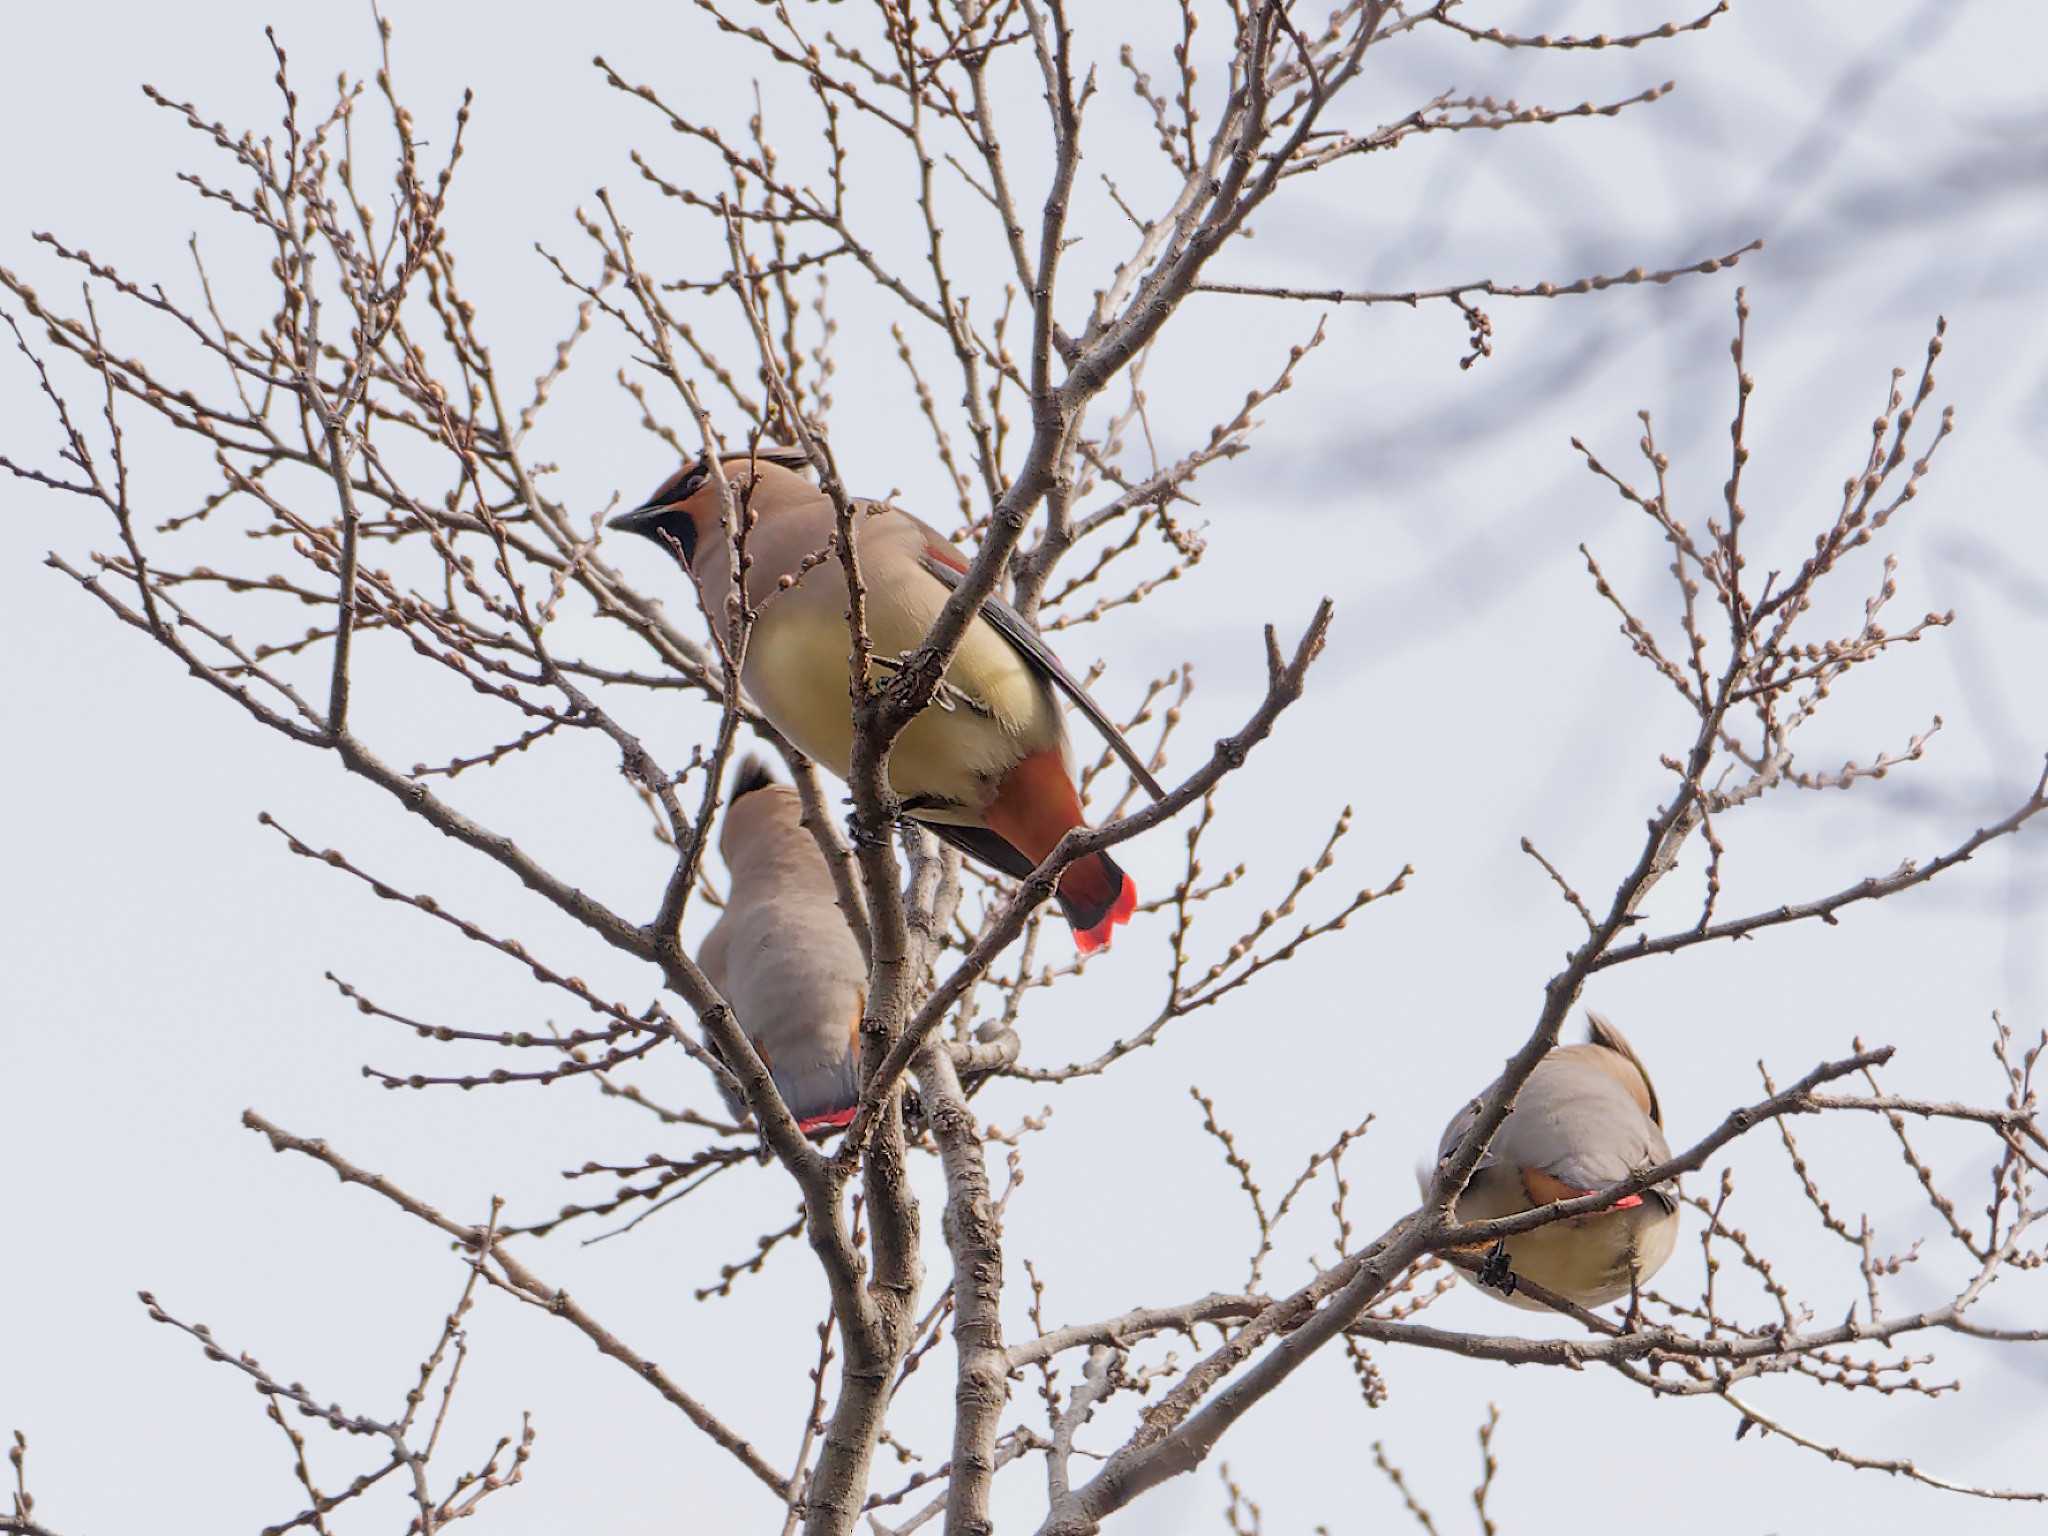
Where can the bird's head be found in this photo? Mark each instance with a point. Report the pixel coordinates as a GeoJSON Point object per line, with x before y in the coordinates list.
{"type": "Point", "coordinates": [684, 507]}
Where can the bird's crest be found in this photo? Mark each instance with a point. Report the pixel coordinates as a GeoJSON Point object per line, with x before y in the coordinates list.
{"type": "Point", "coordinates": [1604, 1034]}
{"type": "Point", "coordinates": [752, 774]}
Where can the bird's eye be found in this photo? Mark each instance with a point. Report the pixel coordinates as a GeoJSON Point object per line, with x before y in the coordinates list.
{"type": "Point", "coordinates": [679, 487]}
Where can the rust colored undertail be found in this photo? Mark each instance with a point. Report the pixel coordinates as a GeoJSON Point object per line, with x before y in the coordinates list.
{"type": "Point", "coordinates": [1036, 806]}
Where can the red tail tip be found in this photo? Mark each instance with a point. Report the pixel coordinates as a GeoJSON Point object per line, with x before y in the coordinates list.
{"type": "Point", "coordinates": [838, 1120]}
{"type": "Point", "coordinates": [1088, 940]}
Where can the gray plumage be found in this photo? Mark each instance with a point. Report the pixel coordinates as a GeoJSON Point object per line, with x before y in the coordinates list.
{"type": "Point", "coordinates": [1586, 1118]}
{"type": "Point", "coordinates": [782, 955]}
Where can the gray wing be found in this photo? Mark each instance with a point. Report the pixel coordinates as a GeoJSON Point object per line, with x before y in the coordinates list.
{"type": "Point", "coordinates": [711, 960]}
{"type": "Point", "coordinates": [1455, 1133]}
{"type": "Point", "coordinates": [1580, 1125]}
{"type": "Point", "coordinates": [797, 988]}
{"type": "Point", "coordinates": [1010, 624]}
{"type": "Point", "coordinates": [711, 955]}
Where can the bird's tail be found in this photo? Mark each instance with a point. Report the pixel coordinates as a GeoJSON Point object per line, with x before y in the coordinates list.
{"type": "Point", "coordinates": [1097, 898]}
{"type": "Point", "coordinates": [1035, 806]}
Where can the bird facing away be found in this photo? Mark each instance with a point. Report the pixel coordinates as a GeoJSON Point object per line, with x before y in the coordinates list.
{"type": "Point", "coordinates": [782, 954]}
{"type": "Point", "coordinates": [986, 765]}
{"type": "Point", "coordinates": [1586, 1118]}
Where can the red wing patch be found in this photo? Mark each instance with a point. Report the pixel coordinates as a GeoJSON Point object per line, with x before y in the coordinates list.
{"type": "Point", "coordinates": [1546, 1189]}
{"type": "Point", "coordinates": [947, 556]}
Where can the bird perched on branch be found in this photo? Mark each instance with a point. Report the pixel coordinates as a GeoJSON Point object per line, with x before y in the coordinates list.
{"type": "Point", "coordinates": [986, 765]}
{"type": "Point", "coordinates": [1586, 1118]}
{"type": "Point", "coordinates": [782, 954]}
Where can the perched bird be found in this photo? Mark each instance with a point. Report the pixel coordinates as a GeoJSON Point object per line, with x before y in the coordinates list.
{"type": "Point", "coordinates": [782, 954]}
{"type": "Point", "coordinates": [1586, 1118]}
{"type": "Point", "coordinates": [987, 765]}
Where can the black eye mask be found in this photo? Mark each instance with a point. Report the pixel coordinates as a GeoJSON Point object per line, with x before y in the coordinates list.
{"type": "Point", "coordinates": [662, 518]}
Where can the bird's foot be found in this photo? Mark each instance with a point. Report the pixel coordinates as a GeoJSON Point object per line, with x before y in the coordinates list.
{"type": "Point", "coordinates": [1495, 1273]}
{"type": "Point", "coordinates": [861, 835]}
{"type": "Point", "coordinates": [944, 694]}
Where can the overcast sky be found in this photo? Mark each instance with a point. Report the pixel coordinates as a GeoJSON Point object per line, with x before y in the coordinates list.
{"type": "Point", "coordinates": [165, 954]}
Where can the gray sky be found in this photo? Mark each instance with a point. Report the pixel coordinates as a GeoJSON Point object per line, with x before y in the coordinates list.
{"type": "Point", "coordinates": [165, 954]}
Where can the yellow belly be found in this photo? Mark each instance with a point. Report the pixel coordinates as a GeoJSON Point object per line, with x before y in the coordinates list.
{"type": "Point", "coordinates": [796, 671]}
{"type": "Point", "coordinates": [1590, 1264]}
{"type": "Point", "coordinates": [1593, 1260]}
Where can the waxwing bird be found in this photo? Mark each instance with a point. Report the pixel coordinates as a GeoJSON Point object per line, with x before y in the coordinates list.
{"type": "Point", "coordinates": [987, 765]}
{"type": "Point", "coordinates": [782, 954]}
{"type": "Point", "coordinates": [1586, 1118]}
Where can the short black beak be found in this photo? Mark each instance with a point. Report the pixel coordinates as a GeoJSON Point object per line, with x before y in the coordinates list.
{"type": "Point", "coordinates": [664, 523]}
{"type": "Point", "coordinates": [640, 520]}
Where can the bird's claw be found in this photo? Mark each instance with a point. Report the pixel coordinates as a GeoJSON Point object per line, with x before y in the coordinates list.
{"type": "Point", "coordinates": [861, 835]}
{"type": "Point", "coordinates": [945, 695]}
{"type": "Point", "coordinates": [1495, 1273]}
